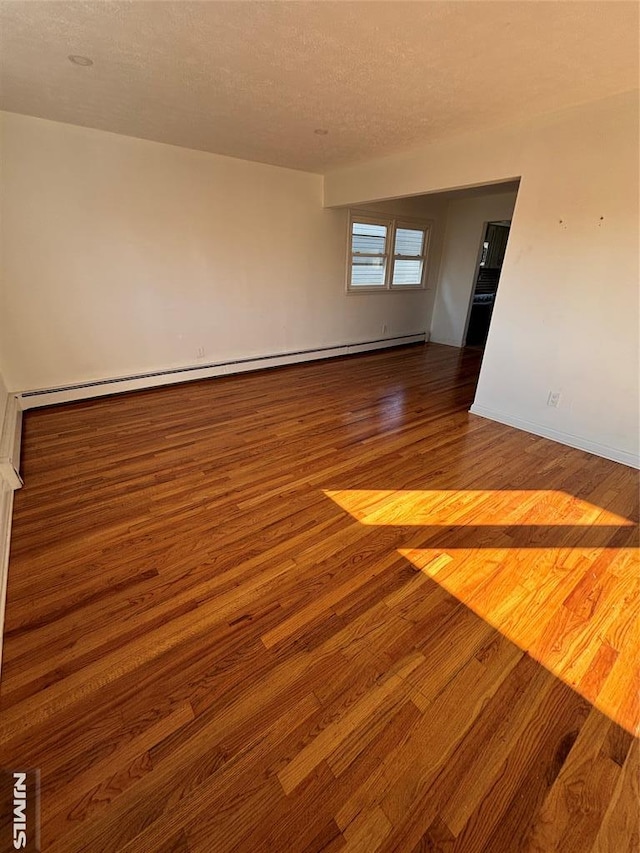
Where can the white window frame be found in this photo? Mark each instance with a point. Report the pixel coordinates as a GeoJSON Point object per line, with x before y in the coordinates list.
{"type": "Point", "coordinates": [371, 218]}
{"type": "Point", "coordinates": [391, 222]}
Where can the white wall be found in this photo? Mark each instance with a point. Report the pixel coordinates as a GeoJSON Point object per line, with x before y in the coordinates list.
{"type": "Point", "coordinates": [121, 256]}
{"type": "Point", "coordinates": [3, 387]}
{"type": "Point", "coordinates": [466, 219]}
{"type": "Point", "coordinates": [566, 314]}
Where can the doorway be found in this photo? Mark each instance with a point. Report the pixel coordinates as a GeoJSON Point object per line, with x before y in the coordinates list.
{"type": "Point", "coordinates": [494, 246]}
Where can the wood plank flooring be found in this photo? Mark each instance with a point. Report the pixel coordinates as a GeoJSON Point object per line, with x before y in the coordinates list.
{"type": "Point", "coordinates": [322, 608]}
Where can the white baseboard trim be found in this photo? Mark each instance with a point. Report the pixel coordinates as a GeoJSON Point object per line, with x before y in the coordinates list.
{"type": "Point", "coordinates": [10, 480]}
{"type": "Point", "coordinates": [103, 387]}
{"type": "Point", "coordinates": [447, 342]}
{"type": "Point", "coordinates": [567, 438]}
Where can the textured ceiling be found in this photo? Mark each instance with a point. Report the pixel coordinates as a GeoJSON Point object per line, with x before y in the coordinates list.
{"type": "Point", "coordinates": [254, 79]}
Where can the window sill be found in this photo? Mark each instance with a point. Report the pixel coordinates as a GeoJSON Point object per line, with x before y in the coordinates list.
{"type": "Point", "coordinates": [369, 290]}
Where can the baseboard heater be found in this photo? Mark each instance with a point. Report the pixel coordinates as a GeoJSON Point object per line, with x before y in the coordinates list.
{"type": "Point", "coordinates": [141, 381]}
{"type": "Point", "coordinates": [10, 437]}
{"type": "Point", "coordinates": [10, 480]}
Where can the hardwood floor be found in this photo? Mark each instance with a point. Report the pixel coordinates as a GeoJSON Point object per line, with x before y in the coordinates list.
{"type": "Point", "coordinates": [322, 608]}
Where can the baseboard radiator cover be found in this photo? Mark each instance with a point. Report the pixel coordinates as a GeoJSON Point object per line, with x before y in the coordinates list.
{"type": "Point", "coordinates": [10, 438]}
{"type": "Point", "coordinates": [142, 381]}
{"type": "Point", "coordinates": [6, 510]}
{"type": "Point", "coordinates": [10, 480]}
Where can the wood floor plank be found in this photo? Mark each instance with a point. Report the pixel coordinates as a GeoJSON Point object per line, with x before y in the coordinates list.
{"type": "Point", "coordinates": [503, 819]}
{"type": "Point", "coordinates": [620, 828]}
{"type": "Point", "coordinates": [322, 608]}
{"type": "Point", "coordinates": [577, 802]}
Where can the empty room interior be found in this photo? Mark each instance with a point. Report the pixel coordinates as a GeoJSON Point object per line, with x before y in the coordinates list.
{"type": "Point", "coordinates": [319, 411]}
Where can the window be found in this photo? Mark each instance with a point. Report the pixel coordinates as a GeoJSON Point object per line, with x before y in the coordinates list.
{"type": "Point", "coordinates": [369, 241]}
{"type": "Point", "coordinates": [409, 256]}
{"type": "Point", "coordinates": [386, 253]}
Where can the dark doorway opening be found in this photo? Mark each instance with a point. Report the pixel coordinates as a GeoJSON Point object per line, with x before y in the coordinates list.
{"type": "Point", "coordinates": [494, 245]}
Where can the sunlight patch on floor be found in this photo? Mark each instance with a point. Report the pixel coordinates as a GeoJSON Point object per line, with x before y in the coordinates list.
{"type": "Point", "coordinates": [419, 507]}
{"type": "Point", "coordinates": [575, 608]}
{"type": "Point", "coordinates": [576, 611]}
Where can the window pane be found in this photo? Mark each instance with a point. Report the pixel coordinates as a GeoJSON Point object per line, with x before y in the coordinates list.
{"type": "Point", "coordinates": [407, 272]}
{"type": "Point", "coordinates": [409, 241]}
{"type": "Point", "coordinates": [367, 272]}
{"type": "Point", "coordinates": [368, 238]}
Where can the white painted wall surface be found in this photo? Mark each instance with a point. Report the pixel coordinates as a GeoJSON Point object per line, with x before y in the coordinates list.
{"type": "Point", "coordinates": [466, 219]}
{"type": "Point", "coordinates": [3, 343]}
{"type": "Point", "coordinates": [121, 256]}
{"type": "Point", "coordinates": [566, 314]}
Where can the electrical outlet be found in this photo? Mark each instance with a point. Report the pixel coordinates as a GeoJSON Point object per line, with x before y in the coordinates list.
{"type": "Point", "coordinates": [553, 399]}
{"type": "Point", "coordinates": [200, 353]}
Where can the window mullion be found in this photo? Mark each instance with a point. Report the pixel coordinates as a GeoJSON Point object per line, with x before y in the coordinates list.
{"type": "Point", "coordinates": [390, 254]}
